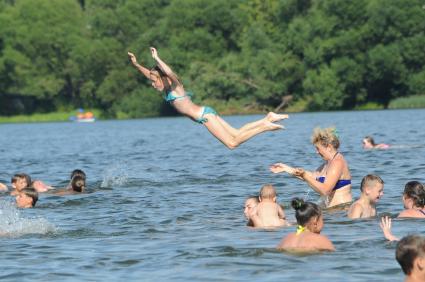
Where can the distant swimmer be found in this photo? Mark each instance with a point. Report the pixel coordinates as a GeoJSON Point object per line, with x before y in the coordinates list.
{"type": "Point", "coordinates": [369, 143]}
{"type": "Point", "coordinates": [166, 81]}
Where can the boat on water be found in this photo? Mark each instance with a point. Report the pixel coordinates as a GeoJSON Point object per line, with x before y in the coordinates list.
{"type": "Point", "coordinates": [83, 117]}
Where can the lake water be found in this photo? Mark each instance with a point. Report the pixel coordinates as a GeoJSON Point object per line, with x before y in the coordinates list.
{"type": "Point", "coordinates": [165, 200]}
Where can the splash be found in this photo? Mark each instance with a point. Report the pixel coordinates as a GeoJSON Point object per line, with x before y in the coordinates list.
{"type": "Point", "coordinates": [12, 224]}
{"type": "Point", "coordinates": [115, 175]}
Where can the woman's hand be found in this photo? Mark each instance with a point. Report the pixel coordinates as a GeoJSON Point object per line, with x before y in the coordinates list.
{"type": "Point", "coordinates": [154, 53]}
{"type": "Point", "coordinates": [280, 167]}
{"type": "Point", "coordinates": [132, 58]}
{"type": "Point", "coordinates": [299, 172]}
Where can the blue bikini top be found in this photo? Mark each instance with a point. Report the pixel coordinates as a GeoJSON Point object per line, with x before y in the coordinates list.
{"type": "Point", "coordinates": [169, 97]}
{"type": "Point", "coordinates": [339, 184]}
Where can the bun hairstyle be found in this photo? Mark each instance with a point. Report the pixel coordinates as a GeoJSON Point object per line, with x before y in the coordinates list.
{"type": "Point", "coordinates": [305, 211]}
{"type": "Point", "coordinates": [325, 137]}
{"type": "Point", "coordinates": [415, 190]}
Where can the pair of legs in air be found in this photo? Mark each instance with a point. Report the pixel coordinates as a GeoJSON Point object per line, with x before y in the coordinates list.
{"type": "Point", "coordinates": [232, 137]}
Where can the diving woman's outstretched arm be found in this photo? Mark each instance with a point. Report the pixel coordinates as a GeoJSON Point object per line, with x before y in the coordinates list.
{"type": "Point", "coordinates": [146, 72]}
{"type": "Point", "coordinates": [164, 67]}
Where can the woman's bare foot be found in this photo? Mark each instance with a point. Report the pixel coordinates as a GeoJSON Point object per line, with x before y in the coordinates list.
{"type": "Point", "coordinates": [273, 117]}
{"type": "Point", "coordinates": [273, 126]}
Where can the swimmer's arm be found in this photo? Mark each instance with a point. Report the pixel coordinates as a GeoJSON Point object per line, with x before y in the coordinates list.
{"type": "Point", "coordinates": [280, 212]}
{"type": "Point", "coordinates": [355, 211]}
{"type": "Point", "coordinates": [3, 187]}
{"type": "Point", "coordinates": [164, 67]}
{"type": "Point", "coordinates": [386, 229]}
{"type": "Point", "coordinates": [280, 167]}
{"type": "Point", "coordinates": [326, 244]}
{"type": "Point", "coordinates": [333, 174]}
{"type": "Point", "coordinates": [141, 68]}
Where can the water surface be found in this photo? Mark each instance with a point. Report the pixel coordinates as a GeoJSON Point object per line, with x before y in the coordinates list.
{"type": "Point", "coordinates": [166, 199]}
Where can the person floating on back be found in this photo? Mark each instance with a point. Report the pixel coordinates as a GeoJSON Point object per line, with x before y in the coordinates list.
{"type": "Point", "coordinates": [372, 189]}
{"type": "Point", "coordinates": [165, 80]}
{"type": "Point", "coordinates": [307, 238]}
{"type": "Point", "coordinates": [267, 213]}
{"type": "Point", "coordinates": [369, 143]}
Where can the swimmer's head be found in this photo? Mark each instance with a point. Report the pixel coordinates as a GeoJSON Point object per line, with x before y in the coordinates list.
{"type": "Point", "coordinates": [20, 181]}
{"type": "Point", "coordinates": [267, 192]}
{"type": "Point", "coordinates": [415, 192]}
{"type": "Point", "coordinates": [250, 203]}
{"type": "Point", "coordinates": [373, 186]}
{"type": "Point", "coordinates": [78, 172]}
{"type": "Point", "coordinates": [27, 198]}
{"type": "Point", "coordinates": [78, 183]}
{"type": "Point", "coordinates": [368, 143]}
{"type": "Point", "coordinates": [308, 214]}
{"type": "Point", "coordinates": [410, 249]}
{"type": "Point", "coordinates": [325, 137]}
{"type": "Point", "coordinates": [160, 81]}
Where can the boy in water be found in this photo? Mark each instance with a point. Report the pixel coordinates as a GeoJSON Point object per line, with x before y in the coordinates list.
{"type": "Point", "coordinates": [268, 213]}
{"type": "Point", "coordinates": [250, 204]}
{"type": "Point", "coordinates": [372, 189]}
{"type": "Point", "coordinates": [26, 198]}
{"type": "Point", "coordinates": [19, 181]}
{"type": "Point", "coordinates": [410, 254]}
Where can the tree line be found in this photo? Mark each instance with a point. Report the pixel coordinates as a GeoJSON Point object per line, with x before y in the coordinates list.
{"type": "Point", "coordinates": [326, 54]}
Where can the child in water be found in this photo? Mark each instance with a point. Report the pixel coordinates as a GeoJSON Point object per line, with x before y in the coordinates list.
{"type": "Point", "coordinates": [410, 254]}
{"type": "Point", "coordinates": [307, 238]}
{"type": "Point", "coordinates": [166, 81]}
{"type": "Point", "coordinates": [268, 213]}
{"type": "Point", "coordinates": [372, 189]}
{"type": "Point", "coordinates": [19, 181]}
{"type": "Point", "coordinates": [26, 198]}
{"type": "Point", "coordinates": [413, 200]}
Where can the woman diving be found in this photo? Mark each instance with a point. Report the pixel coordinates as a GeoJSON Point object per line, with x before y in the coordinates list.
{"type": "Point", "coordinates": [165, 80]}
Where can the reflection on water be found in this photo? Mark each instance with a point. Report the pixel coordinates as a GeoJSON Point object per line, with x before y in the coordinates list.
{"type": "Point", "coordinates": [166, 199]}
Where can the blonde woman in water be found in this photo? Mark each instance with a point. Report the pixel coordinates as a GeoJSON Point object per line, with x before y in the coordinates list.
{"type": "Point", "coordinates": [166, 81]}
{"type": "Point", "coordinates": [332, 179]}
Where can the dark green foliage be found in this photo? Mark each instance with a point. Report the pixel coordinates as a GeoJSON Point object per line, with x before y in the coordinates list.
{"type": "Point", "coordinates": [327, 54]}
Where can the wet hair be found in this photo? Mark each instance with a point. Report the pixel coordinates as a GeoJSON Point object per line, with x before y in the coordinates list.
{"type": "Point", "coordinates": [408, 249]}
{"type": "Point", "coordinates": [163, 77]}
{"type": "Point", "coordinates": [370, 140]}
{"type": "Point", "coordinates": [305, 211]}
{"type": "Point", "coordinates": [415, 190]}
{"type": "Point", "coordinates": [32, 193]}
{"type": "Point", "coordinates": [369, 180]}
{"type": "Point", "coordinates": [78, 172]}
{"type": "Point", "coordinates": [20, 176]}
{"type": "Point", "coordinates": [267, 192]}
{"type": "Point", "coordinates": [325, 137]}
{"type": "Point", "coordinates": [78, 183]}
